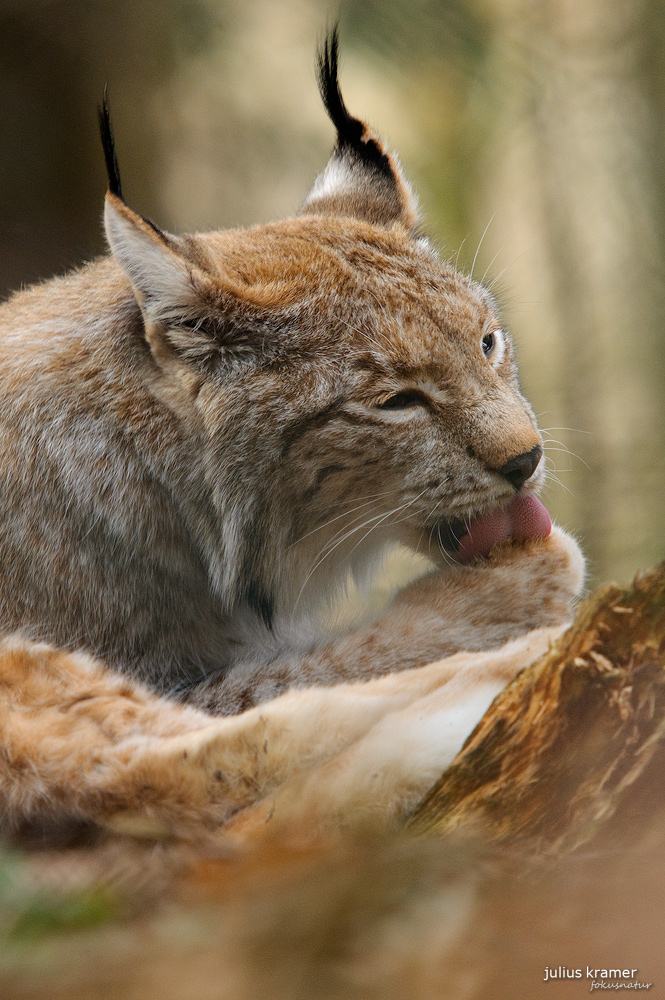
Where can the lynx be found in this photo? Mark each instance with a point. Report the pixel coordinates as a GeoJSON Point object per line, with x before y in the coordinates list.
{"type": "Point", "coordinates": [202, 437]}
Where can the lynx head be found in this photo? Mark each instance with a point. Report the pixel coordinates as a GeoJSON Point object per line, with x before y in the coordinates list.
{"type": "Point", "coordinates": [348, 388]}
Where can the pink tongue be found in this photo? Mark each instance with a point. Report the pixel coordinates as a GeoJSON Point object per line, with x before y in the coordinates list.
{"type": "Point", "coordinates": [524, 518]}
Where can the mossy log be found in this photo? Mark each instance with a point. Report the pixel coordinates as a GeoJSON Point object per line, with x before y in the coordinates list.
{"type": "Point", "coordinates": [574, 747]}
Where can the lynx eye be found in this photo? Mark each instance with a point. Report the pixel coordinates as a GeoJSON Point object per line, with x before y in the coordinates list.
{"type": "Point", "coordinates": [493, 346]}
{"type": "Point", "coordinates": [402, 401]}
{"type": "Point", "coordinates": [488, 344]}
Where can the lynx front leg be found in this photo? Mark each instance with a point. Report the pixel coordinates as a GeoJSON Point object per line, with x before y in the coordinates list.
{"type": "Point", "coordinates": [382, 773]}
{"type": "Point", "coordinates": [371, 747]}
{"type": "Point", "coordinates": [78, 740]}
{"type": "Point", "coordinates": [479, 607]}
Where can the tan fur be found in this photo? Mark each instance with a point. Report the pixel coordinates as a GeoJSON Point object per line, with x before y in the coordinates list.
{"type": "Point", "coordinates": [196, 451]}
{"type": "Point", "coordinates": [80, 742]}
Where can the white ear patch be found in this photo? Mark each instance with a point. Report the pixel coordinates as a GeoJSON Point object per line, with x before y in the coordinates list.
{"type": "Point", "coordinates": [337, 178]}
{"type": "Point", "coordinates": [343, 177]}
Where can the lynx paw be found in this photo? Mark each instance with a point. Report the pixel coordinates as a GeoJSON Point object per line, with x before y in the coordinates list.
{"type": "Point", "coordinates": [518, 587]}
{"type": "Point", "coordinates": [555, 561]}
{"type": "Point", "coordinates": [542, 576]}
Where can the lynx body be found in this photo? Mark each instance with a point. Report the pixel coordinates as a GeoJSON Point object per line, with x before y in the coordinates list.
{"type": "Point", "coordinates": [200, 437]}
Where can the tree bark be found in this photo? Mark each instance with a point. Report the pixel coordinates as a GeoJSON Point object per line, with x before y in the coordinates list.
{"type": "Point", "coordinates": [573, 750]}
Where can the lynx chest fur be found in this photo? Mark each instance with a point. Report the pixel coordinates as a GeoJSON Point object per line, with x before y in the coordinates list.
{"type": "Point", "coordinates": [201, 436]}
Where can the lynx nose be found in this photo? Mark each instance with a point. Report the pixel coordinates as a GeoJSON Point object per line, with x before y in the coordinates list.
{"type": "Point", "coordinates": [520, 468]}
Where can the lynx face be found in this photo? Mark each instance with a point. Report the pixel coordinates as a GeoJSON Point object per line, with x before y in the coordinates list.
{"type": "Point", "coordinates": [351, 389]}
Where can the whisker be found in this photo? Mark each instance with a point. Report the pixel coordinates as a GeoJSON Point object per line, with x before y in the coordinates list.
{"type": "Point", "coordinates": [389, 514]}
{"type": "Point", "coordinates": [368, 500]}
{"type": "Point", "coordinates": [567, 451]}
{"type": "Point", "coordinates": [500, 250]}
{"type": "Point", "coordinates": [430, 515]}
{"type": "Point", "coordinates": [551, 478]}
{"type": "Point", "coordinates": [475, 256]}
{"type": "Point", "coordinates": [573, 430]}
{"type": "Point", "coordinates": [322, 555]}
{"type": "Point", "coordinates": [379, 518]}
{"type": "Point", "coordinates": [459, 250]}
{"type": "Point", "coordinates": [388, 317]}
{"type": "Point", "coordinates": [448, 558]}
{"type": "Point", "coordinates": [496, 279]}
{"type": "Point", "coordinates": [346, 530]}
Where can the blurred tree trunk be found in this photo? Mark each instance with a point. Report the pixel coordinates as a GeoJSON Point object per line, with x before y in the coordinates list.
{"type": "Point", "coordinates": [577, 188]}
{"type": "Point", "coordinates": [54, 62]}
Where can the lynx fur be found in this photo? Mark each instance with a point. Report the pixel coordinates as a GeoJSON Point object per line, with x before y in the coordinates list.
{"type": "Point", "coordinates": [201, 437]}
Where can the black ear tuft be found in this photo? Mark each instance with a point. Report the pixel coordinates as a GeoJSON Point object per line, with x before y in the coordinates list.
{"type": "Point", "coordinates": [108, 144]}
{"type": "Point", "coordinates": [352, 134]}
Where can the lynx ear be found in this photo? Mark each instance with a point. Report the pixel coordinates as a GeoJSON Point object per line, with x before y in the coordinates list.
{"type": "Point", "coordinates": [362, 179]}
{"type": "Point", "coordinates": [161, 276]}
{"type": "Point", "coordinates": [189, 314]}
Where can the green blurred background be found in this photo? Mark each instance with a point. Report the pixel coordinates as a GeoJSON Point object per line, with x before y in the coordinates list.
{"type": "Point", "coordinates": [533, 130]}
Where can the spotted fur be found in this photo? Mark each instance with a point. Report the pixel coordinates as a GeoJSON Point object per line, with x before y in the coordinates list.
{"type": "Point", "coordinates": [201, 437]}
